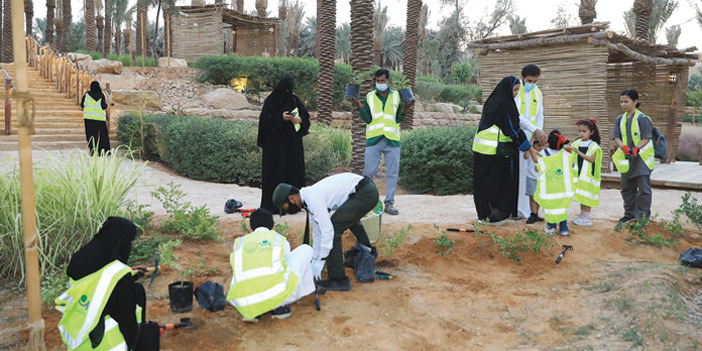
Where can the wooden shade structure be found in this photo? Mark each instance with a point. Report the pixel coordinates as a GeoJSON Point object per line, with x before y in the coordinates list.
{"type": "Point", "coordinates": [583, 71]}
{"type": "Point", "coordinates": [214, 30]}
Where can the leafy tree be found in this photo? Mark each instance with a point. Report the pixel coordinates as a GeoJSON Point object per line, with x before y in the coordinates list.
{"type": "Point", "coordinates": [39, 27]}
{"type": "Point", "coordinates": [462, 73]}
{"type": "Point", "coordinates": [76, 37]}
{"type": "Point", "coordinates": [380, 22]}
{"type": "Point", "coordinates": [392, 51]}
{"type": "Point", "coordinates": [451, 36]}
{"type": "Point", "coordinates": [491, 20]}
{"type": "Point", "coordinates": [517, 25]}
{"type": "Point", "coordinates": [343, 43]}
{"type": "Point", "coordinates": [308, 37]}
{"type": "Point", "coordinates": [563, 17]}
{"type": "Point", "coordinates": [694, 83]}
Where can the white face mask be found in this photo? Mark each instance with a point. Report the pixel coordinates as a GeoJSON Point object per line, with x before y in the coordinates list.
{"type": "Point", "coordinates": [381, 87]}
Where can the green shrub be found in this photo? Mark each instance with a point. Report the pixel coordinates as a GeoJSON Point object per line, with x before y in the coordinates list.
{"type": "Point", "coordinates": [113, 57]}
{"type": "Point", "coordinates": [460, 94]}
{"type": "Point", "coordinates": [443, 244]}
{"type": "Point", "coordinates": [688, 118]}
{"type": "Point", "coordinates": [126, 60]}
{"type": "Point", "coordinates": [183, 218]}
{"type": "Point", "coordinates": [130, 131]}
{"type": "Point", "coordinates": [461, 73]}
{"type": "Point", "coordinates": [150, 61]}
{"type": "Point", "coordinates": [75, 193]}
{"type": "Point", "coordinates": [340, 140]}
{"type": "Point", "coordinates": [428, 91]}
{"type": "Point", "coordinates": [319, 157]}
{"type": "Point", "coordinates": [428, 79]}
{"type": "Point", "coordinates": [95, 55]}
{"type": "Point", "coordinates": [438, 161]}
{"type": "Point", "coordinates": [510, 247]}
{"type": "Point", "coordinates": [694, 98]}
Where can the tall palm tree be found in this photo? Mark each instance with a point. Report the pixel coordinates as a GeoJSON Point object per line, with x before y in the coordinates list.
{"type": "Point", "coordinates": [587, 11]}
{"type": "Point", "coordinates": [392, 53]}
{"type": "Point", "coordinates": [343, 43]}
{"type": "Point", "coordinates": [240, 5]}
{"type": "Point", "coordinates": [169, 10]}
{"type": "Point", "coordinates": [672, 34]}
{"type": "Point", "coordinates": [326, 38]}
{"type": "Point", "coordinates": [362, 61]}
{"type": "Point", "coordinates": [308, 37]}
{"type": "Point", "coordinates": [414, 9]}
{"type": "Point", "coordinates": [141, 21]}
{"type": "Point", "coordinates": [296, 13]}
{"type": "Point", "coordinates": [7, 31]}
{"type": "Point", "coordinates": [67, 20]}
{"type": "Point", "coordinates": [99, 24]}
{"type": "Point", "coordinates": [261, 7]}
{"type": "Point", "coordinates": [422, 60]}
{"type": "Point", "coordinates": [29, 16]}
{"type": "Point", "coordinates": [109, 14]}
{"type": "Point", "coordinates": [660, 14]}
{"type": "Point", "coordinates": [89, 19]}
{"type": "Point", "coordinates": [49, 31]}
{"type": "Point", "coordinates": [122, 13]}
{"type": "Point", "coordinates": [380, 22]}
{"type": "Point", "coordinates": [642, 10]}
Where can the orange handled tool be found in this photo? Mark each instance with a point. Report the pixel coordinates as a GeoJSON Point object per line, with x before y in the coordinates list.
{"type": "Point", "coordinates": [184, 323]}
{"type": "Point", "coordinates": [462, 230]}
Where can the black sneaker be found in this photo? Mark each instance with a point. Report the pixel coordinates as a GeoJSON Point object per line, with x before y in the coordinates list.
{"type": "Point", "coordinates": [343, 284]}
{"type": "Point", "coordinates": [626, 219]}
{"type": "Point", "coordinates": [533, 219]}
{"type": "Point", "coordinates": [281, 312]}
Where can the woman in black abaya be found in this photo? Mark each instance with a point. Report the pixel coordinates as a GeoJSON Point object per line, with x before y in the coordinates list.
{"type": "Point", "coordinates": [496, 176]}
{"type": "Point", "coordinates": [96, 126]}
{"type": "Point", "coordinates": [283, 122]}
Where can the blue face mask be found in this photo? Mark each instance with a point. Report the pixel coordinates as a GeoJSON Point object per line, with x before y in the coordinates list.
{"type": "Point", "coordinates": [381, 87]}
{"type": "Point", "coordinates": [529, 87]}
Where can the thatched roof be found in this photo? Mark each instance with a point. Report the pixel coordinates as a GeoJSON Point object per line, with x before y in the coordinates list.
{"type": "Point", "coordinates": [229, 16]}
{"type": "Point", "coordinates": [621, 48]}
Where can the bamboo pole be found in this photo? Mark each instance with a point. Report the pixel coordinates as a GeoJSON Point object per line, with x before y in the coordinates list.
{"type": "Point", "coordinates": [8, 107]}
{"type": "Point", "coordinates": [29, 223]}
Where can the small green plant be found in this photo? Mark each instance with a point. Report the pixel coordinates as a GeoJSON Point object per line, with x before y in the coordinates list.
{"type": "Point", "coordinates": [54, 285]}
{"type": "Point", "coordinates": [443, 244]}
{"type": "Point", "coordinates": [244, 227]}
{"type": "Point", "coordinates": [691, 209]}
{"type": "Point", "coordinates": [144, 249]}
{"type": "Point", "coordinates": [636, 228]}
{"type": "Point", "coordinates": [359, 77]}
{"type": "Point", "coordinates": [622, 303]}
{"type": "Point", "coordinates": [388, 245]}
{"type": "Point", "coordinates": [282, 228]}
{"type": "Point", "coordinates": [523, 241]}
{"type": "Point", "coordinates": [584, 330]}
{"type": "Point", "coordinates": [633, 336]}
{"type": "Point", "coordinates": [168, 258]}
{"type": "Point", "coordinates": [200, 270]}
{"type": "Point", "coordinates": [139, 215]}
{"type": "Point", "coordinates": [189, 221]}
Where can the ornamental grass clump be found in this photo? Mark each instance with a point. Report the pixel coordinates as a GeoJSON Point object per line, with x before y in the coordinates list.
{"type": "Point", "coordinates": [75, 193]}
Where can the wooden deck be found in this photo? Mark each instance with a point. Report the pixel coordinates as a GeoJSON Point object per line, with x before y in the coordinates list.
{"type": "Point", "coordinates": [679, 175]}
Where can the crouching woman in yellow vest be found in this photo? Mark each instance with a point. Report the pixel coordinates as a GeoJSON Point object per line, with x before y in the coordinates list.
{"type": "Point", "coordinates": [103, 306]}
{"type": "Point", "coordinates": [634, 158]}
{"type": "Point", "coordinates": [268, 277]}
{"type": "Point", "coordinates": [94, 105]}
{"type": "Point", "coordinates": [555, 187]}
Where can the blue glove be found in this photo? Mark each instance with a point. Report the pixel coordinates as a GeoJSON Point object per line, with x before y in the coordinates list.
{"type": "Point", "coordinates": [317, 267]}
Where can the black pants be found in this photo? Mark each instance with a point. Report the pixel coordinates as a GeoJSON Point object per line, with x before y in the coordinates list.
{"type": "Point", "coordinates": [637, 195]}
{"type": "Point", "coordinates": [348, 216]}
{"type": "Point", "coordinates": [98, 137]}
{"type": "Point", "coordinates": [495, 186]}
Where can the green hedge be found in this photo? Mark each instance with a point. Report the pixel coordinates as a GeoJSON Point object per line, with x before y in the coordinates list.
{"type": "Point", "coordinates": [437, 161]}
{"type": "Point", "coordinates": [431, 91]}
{"type": "Point", "coordinates": [217, 150]}
{"type": "Point", "coordinates": [265, 72]}
{"type": "Point", "coordinates": [688, 118]}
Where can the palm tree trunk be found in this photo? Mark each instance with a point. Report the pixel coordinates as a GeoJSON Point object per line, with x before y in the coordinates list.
{"type": "Point", "coordinates": [7, 32]}
{"type": "Point", "coordinates": [261, 7]}
{"type": "Point", "coordinates": [89, 19]}
{"type": "Point", "coordinates": [326, 26]}
{"type": "Point", "coordinates": [414, 7]}
{"type": "Point", "coordinates": [361, 61]}
{"type": "Point", "coordinates": [29, 16]}
{"type": "Point", "coordinates": [107, 47]}
{"type": "Point", "coordinates": [118, 39]}
{"type": "Point", "coordinates": [153, 43]}
{"type": "Point", "coordinates": [100, 24]}
{"type": "Point", "coordinates": [167, 31]}
{"type": "Point", "coordinates": [642, 9]}
{"type": "Point", "coordinates": [2, 44]}
{"type": "Point", "coordinates": [49, 30]}
{"type": "Point", "coordinates": [66, 26]}
{"type": "Point", "coordinates": [240, 6]}
{"type": "Point", "coordinates": [587, 11]}
{"type": "Point", "coordinates": [139, 30]}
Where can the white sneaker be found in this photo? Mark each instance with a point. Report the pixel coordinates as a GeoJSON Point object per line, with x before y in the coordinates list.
{"type": "Point", "coordinates": [582, 221]}
{"type": "Point", "coordinates": [564, 233]}
{"type": "Point", "coordinates": [550, 231]}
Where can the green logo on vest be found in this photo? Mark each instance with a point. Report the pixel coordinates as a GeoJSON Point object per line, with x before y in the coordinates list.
{"type": "Point", "coordinates": [83, 302]}
{"type": "Point", "coordinates": [559, 172]}
{"type": "Point", "coordinates": [265, 243]}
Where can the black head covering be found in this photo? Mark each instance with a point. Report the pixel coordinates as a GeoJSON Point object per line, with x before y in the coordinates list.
{"type": "Point", "coordinates": [499, 103]}
{"type": "Point", "coordinates": [282, 97]}
{"type": "Point", "coordinates": [112, 242]}
{"type": "Point", "coordinates": [96, 92]}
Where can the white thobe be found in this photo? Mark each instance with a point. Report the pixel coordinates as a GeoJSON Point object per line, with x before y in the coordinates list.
{"type": "Point", "coordinates": [523, 207]}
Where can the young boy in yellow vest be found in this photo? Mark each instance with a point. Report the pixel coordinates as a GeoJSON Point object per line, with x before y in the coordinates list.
{"type": "Point", "coordinates": [268, 277]}
{"type": "Point", "coordinates": [532, 176]}
{"type": "Point", "coordinates": [635, 157]}
{"type": "Point", "coordinates": [530, 102]}
{"type": "Point", "coordinates": [555, 188]}
{"type": "Point", "coordinates": [383, 111]}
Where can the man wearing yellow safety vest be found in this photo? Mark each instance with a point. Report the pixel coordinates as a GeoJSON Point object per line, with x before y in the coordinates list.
{"type": "Point", "coordinates": [94, 105]}
{"type": "Point", "coordinates": [268, 277]}
{"type": "Point", "coordinates": [103, 306]}
{"type": "Point", "coordinates": [530, 102]}
{"type": "Point", "coordinates": [383, 111]}
{"type": "Point", "coordinates": [634, 158]}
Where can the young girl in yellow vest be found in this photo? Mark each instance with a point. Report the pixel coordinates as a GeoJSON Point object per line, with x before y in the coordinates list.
{"type": "Point", "coordinates": [589, 158]}
{"type": "Point", "coordinates": [555, 187]}
{"type": "Point", "coordinates": [635, 157]}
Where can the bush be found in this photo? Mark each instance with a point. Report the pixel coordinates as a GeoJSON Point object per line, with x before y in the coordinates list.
{"type": "Point", "coordinates": [460, 94]}
{"type": "Point", "coordinates": [126, 60]}
{"type": "Point", "coordinates": [75, 193]}
{"type": "Point", "coordinates": [438, 161]}
{"type": "Point", "coordinates": [131, 127]}
{"type": "Point", "coordinates": [694, 98]}
{"type": "Point", "coordinates": [340, 140]}
{"type": "Point", "coordinates": [183, 218]}
{"type": "Point", "coordinates": [150, 61]}
{"type": "Point", "coordinates": [428, 79]}
{"type": "Point", "coordinates": [428, 91]}
{"type": "Point", "coordinates": [688, 118]}
{"type": "Point", "coordinates": [95, 55]}
{"type": "Point", "coordinates": [113, 57]}
{"type": "Point", "coordinates": [461, 73]}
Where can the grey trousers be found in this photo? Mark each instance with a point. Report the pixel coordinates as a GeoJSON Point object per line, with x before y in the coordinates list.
{"type": "Point", "coordinates": [392, 166]}
{"type": "Point", "coordinates": [637, 195]}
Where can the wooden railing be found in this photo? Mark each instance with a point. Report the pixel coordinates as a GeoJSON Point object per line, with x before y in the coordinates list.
{"type": "Point", "coordinates": [9, 88]}
{"type": "Point", "coordinates": [70, 79]}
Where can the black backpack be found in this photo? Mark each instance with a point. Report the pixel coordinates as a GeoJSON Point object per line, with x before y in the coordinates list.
{"type": "Point", "coordinates": [660, 145]}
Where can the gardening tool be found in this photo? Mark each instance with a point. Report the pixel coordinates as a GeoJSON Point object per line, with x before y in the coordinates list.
{"type": "Point", "coordinates": [462, 230]}
{"type": "Point", "coordinates": [246, 212]}
{"type": "Point", "coordinates": [565, 248]}
{"type": "Point", "coordinates": [383, 275]}
{"type": "Point", "coordinates": [184, 323]}
{"type": "Point", "coordinates": [157, 260]}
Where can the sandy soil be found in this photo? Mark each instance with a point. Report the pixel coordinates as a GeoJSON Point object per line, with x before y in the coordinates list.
{"type": "Point", "coordinates": [472, 299]}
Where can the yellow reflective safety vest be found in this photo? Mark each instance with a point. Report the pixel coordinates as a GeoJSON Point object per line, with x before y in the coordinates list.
{"type": "Point", "coordinates": [261, 280]}
{"type": "Point", "coordinates": [383, 122]}
{"type": "Point", "coordinates": [587, 184]}
{"type": "Point", "coordinates": [536, 98]}
{"type": "Point", "coordinates": [647, 153]}
{"type": "Point", "coordinates": [93, 109]}
{"type": "Point", "coordinates": [555, 187]}
{"type": "Point", "coordinates": [82, 306]}
{"type": "Point", "coordinates": [485, 141]}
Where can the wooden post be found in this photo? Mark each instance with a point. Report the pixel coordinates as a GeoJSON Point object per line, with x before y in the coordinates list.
{"type": "Point", "coordinates": [29, 222]}
{"type": "Point", "coordinates": [109, 106]}
{"type": "Point", "coordinates": [78, 86]}
{"type": "Point", "coordinates": [8, 107]}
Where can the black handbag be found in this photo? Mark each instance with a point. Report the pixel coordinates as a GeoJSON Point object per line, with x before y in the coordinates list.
{"type": "Point", "coordinates": [506, 150]}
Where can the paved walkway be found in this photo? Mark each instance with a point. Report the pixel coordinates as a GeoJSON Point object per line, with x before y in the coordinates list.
{"type": "Point", "coordinates": [679, 175]}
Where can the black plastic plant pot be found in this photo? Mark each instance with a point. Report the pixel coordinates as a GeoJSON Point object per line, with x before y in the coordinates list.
{"type": "Point", "coordinates": [352, 91]}
{"type": "Point", "coordinates": [406, 95]}
{"type": "Point", "coordinates": [181, 296]}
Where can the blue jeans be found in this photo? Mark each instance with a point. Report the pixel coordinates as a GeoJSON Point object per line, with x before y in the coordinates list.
{"type": "Point", "coordinates": [563, 226]}
{"type": "Point", "coordinates": [392, 165]}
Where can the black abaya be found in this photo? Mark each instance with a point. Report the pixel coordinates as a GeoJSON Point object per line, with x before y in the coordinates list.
{"type": "Point", "coordinates": [283, 152]}
{"type": "Point", "coordinates": [496, 178]}
{"type": "Point", "coordinates": [96, 133]}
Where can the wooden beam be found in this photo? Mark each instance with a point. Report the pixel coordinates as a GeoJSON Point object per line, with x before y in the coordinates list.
{"type": "Point", "coordinates": [537, 42]}
{"type": "Point", "coordinates": [592, 27]}
{"type": "Point", "coordinates": [649, 59]}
